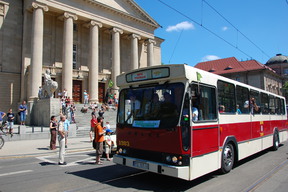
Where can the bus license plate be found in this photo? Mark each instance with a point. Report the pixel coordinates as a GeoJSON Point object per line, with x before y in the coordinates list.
{"type": "Point", "coordinates": [141, 165]}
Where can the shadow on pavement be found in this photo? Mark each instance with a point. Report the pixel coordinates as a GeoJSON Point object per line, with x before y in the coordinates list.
{"type": "Point", "coordinates": [124, 177]}
{"type": "Point", "coordinates": [44, 148]}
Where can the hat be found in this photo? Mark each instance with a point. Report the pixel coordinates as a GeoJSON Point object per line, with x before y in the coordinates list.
{"type": "Point", "coordinates": [109, 131]}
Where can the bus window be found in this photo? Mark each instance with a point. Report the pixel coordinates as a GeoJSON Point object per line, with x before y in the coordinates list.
{"type": "Point", "coordinates": [242, 100]}
{"type": "Point", "coordinates": [277, 106]}
{"type": "Point", "coordinates": [226, 97]}
{"type": "Point", "coordinates": [151, 107]}
{"type": "Point", "coordinates": [255, 102]}
{"type": "Point", "coordinates": [264, 103]}
{"type": "Point", "coordinates": [271, 104]}
{"type": "Point", "coordinates": [204, 99]}
{"type": "Point", "coordinates": [282, 106]}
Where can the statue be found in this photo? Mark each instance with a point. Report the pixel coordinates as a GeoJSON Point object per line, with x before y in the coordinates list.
{"type": "Point", "coordinates": [49, 86]}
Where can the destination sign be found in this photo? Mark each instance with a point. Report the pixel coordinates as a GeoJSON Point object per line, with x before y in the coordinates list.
{"type": "Point", "coordinates": [148, 74]}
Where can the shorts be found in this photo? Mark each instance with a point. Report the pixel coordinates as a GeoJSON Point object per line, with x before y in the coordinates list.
{"type": "Point", "coordinates": [107, 149]}
{"type": "Point", "coordinates": [10, 125]}
{"type": "Point", "coordinates": [99, 148]}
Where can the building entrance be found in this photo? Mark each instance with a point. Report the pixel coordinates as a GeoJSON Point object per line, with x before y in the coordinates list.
{"type": "Point", "coordinates": [77, 91]}
{"type": "Point", "coordinates": [101, 92]}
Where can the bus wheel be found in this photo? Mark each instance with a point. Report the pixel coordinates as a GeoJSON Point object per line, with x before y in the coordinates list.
{"type": "Point", "coordinates": [275, 141]}
{"type": "Point", "coordinates": [227, 158]}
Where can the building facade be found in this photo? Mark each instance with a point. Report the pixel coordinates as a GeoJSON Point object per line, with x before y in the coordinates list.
{"type": "Point", "coordinates": [250, 72]}
{"type": "Point", "coordinates": [84, 43]}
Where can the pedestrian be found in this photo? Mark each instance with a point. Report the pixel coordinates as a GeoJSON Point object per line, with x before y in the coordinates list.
{"type": "Point", "coordinates": [66, 128]}
{"type": "Point", "coordinates": [101, 113]}
{"type": "Point", "coordinates": [60, 94]}
{"type": "Point", "coordinates": [93, 123]}
{"type": "Point", "coordinates": [10, 119]}
{"type": "Point", "coordinates": [72, 113]}
{"type": "Point", "coordinates": [23, 112]}
{"type": "Point", "coordinates": [64, 94]}
{"type": "Point", "coordinates": [98, 139]}
{"type": "Point", "coordinates": [2, 115]}
{"type": "Point", "coordinates": [108, 143]}
{"type": "Point", "coordinates": [107, 126]}
{"type": "Point", "coordinates": [61, 139]}
{"type": "Point", "coordinates": [86, 97]}
{"type": "Point", "coordinates": [53, 131]}
{"type": "Point", "coordinates": [40, 93]}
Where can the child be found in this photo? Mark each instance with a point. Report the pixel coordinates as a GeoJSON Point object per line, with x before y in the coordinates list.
{"type": "Point", "coordinates": [108, 143]}
{"type": "Point", "coordinates": [10, 116]}
{"type": "Point", "coordinates": [107, 125]}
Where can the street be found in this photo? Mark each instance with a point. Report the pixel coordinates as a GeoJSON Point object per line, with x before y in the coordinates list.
{"type": "Point", "coordinates": [266, 171]}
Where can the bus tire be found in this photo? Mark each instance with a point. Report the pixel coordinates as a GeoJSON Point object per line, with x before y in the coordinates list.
{"type": "Point", "coordinates": [228, 157]}
{"type": "Point", "coordinates": [275, 141]}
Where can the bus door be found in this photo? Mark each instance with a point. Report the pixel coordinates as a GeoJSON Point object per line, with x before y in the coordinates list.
{"type": "Point", "coordinates": [258, 125]}
{"type": "Point", "coordinates": [205, 129]}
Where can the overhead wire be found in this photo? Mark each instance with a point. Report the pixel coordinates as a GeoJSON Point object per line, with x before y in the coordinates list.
{"type": "Point", "coordinates": [205, 28]}
{"type": "Point", "coordinates": [236, 28]}
{"type": "Point", "coordinates": [176, 45]}
{"type": "Point", "coordinates": [215, 34]}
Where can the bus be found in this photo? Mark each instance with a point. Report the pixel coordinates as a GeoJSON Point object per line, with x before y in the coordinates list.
{"type": "Point", "coordinates": [184, 122]}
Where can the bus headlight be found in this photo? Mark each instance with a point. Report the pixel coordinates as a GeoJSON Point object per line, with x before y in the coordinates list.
{"type": "Point", "coordinates": [174, 159]}
{"type": "Point", "coordinates": [120, 150]}
{"type": "Point", "coordinates": [168, 159]}
{"type": "Point", "coordinates": [124, 151]}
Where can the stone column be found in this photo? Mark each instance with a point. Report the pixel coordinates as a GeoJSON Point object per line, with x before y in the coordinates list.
{"type": "Point", "coordinates": [94, 59]}
{"type": "Point", "coordinates": [150, 52]}
{"type": "Point", "coordinates": [115, 55]}
{"type": "Point", "coordinates": [67, 57]}
{"type": "Point", "coordinates": [134, 51]}
{"type": "Point", "coordinates": [35, 70]}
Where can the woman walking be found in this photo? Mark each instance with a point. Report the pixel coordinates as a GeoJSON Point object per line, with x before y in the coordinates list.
{"type": "Point", "coordinates": [53, 131]}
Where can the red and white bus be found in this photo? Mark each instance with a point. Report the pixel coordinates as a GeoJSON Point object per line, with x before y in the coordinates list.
{"type": "Point", "coordinates": [183, 122]}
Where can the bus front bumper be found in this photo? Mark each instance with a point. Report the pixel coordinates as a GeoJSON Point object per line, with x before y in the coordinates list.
{"type": "Point", "coordinates": [160, 168]}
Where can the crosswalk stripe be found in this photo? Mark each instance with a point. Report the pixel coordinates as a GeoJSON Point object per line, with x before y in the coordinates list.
{"type": "Point", "coordinates": [14, 173]}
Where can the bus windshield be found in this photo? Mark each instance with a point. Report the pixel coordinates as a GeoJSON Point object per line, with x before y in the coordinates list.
{"type": "Point", "coordinates": [151, 107]}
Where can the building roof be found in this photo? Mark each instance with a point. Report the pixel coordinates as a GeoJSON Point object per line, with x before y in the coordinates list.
{"type": "Point", "coordinates": [279, 58]}
{"type": "Point", "coordinates": [231, 65]}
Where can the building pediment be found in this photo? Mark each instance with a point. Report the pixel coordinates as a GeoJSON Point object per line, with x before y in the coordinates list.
{"type": "Point", "coordinates": [128, 8]}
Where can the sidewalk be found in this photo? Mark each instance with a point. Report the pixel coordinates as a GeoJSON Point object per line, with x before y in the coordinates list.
{"type": "Point", "coordinates": [28, 148]}
{"type": "Point", "coordinates": [35, 140]}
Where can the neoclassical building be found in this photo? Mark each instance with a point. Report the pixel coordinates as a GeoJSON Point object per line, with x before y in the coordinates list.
{"type": "Point", "coordinates": [84, 43]}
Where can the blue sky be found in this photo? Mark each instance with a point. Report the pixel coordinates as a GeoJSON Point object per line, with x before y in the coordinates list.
{"type": "Point", "coordinates": [264, 22]}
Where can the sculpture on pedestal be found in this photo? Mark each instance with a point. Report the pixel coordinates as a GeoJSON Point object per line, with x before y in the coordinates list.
{"type": "Point", "coordinates": [49, 86]}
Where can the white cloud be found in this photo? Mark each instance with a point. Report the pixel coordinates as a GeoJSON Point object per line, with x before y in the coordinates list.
{"type": "Point", "coordinates": [224, 28]}
{"type": "Point", "coordinates": [185, 25]}
{"type": "Point", "coordinates": [210, 58]}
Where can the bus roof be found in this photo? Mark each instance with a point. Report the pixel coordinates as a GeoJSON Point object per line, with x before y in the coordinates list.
{"type": "Point", "coordinates": [172, 73]}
